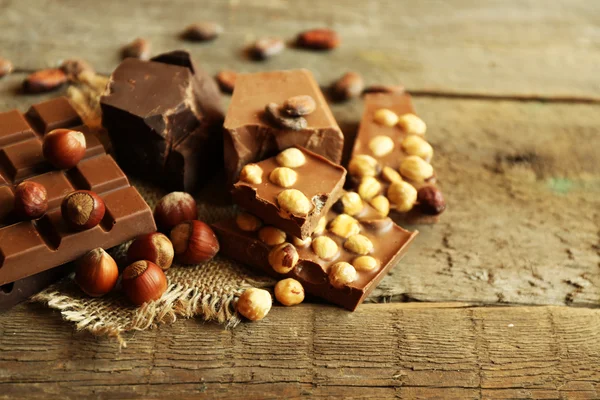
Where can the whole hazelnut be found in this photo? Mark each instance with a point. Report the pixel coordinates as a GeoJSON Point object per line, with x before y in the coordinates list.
{"type": "Point", "coordinates": [173, 209]}
{"type": "Point", "coordinates": [342, 274]}
{"type": "Point", "coordinates": [430, 200]}
{"type": "Point", "coordinates": [283, 258]}
{"type": "Point", "coordinates": [154, 247]}
{"type": "Point", "coordinates": [143, 281]}
{"type": "Point", "coordinates": [96, 272]}
{"type": "Point", "coordinates": [289, 292]}
{"type": "Point", "coordinates": [82, 209]}
{"type": "Point", "coordinates": [64, 148]}
{"type": "Point", "coordinates": [254, 304]}
{"type": "Point", "coordinates": [194, 242]}
{"type": "Point", "coordinates": [31, 199]}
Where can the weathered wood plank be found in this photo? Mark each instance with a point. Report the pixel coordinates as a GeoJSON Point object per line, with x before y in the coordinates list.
{"type": "Point", "coordinates": [380, 351]}
{"type": "Point", "coordinates": [524, 48]}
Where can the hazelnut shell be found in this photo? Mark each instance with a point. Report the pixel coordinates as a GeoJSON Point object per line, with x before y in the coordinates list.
{"type": "Point", "coordinates": [143, 281]}
{"type": "Point", "coordinates": [64, 148]}
{"type": "Point", "coordinates": [154, 247]}
{"type": "Point", "coordinates": [31, 199]}
{"type": "Point", "coordinates": [173, 209]}
{"type": "Point", "coordinates": [194, 242]}
{"type": "Point", "coordinates": [82, 209]}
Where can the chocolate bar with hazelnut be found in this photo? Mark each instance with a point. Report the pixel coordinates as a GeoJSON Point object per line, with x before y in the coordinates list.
{"type": "Point", "coordinates": [342, 262]}
{"type": "Point", "coordinates": [391, 157]}
{"type": "Point", "coordinates": [164, 119]}
{"type": "Point", "coordinates": [290, 191]}
{"type": "Point", "coordinates": [30, 246]}
{"type": "Point", "coordinates": [251, 135]}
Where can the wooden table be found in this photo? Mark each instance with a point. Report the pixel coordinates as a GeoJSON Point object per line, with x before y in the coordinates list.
{"type": "Point", "coordinates": [496, 301]}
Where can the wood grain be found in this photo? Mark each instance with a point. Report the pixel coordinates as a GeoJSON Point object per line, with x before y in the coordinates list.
{"type": "Point", "coordinates": [380, 351]}
{"type": "Point", "coordinates": [515, 48]}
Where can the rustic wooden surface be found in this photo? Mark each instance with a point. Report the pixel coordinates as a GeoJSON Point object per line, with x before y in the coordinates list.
{"type": "Point", "coordinates": [522, 179]}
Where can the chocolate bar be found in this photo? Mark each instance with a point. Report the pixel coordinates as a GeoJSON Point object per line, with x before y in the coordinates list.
{"type": "Point", "coordinates": [29, 247]}
{"type": "Point", "coordinates": [251, 136]}
{"type": "Point", "coordinates": [342, 262]}
{"type": "Point", "coordinates": [164, 119]}
{"type": "Point", "coordinates": [392, 157]}
{"type": "Point", "coordinates": [297, 172]}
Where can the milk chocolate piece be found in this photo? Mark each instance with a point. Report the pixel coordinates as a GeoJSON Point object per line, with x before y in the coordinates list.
{"type": "Point", "coordinates": [390, 243]}
{"type": "Point", "coordinates": [320, 180]}
{"type": "Point", "coordinates": [164, 119]}
{"type": "Point", "coordinates": [251, 136]}
{"type": "Point", "coordinates": [400, 103]}
{"type": "Point", "coordinates": [27, 248]}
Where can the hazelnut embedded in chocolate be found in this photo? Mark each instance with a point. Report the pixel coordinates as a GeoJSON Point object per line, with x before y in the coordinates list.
{"type": "Point", "coordinates": [298, 106]}
{"type": "Point", "coordinates": [275, 113]}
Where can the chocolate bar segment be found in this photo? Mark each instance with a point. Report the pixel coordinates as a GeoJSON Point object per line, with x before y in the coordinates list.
{"type": "Point", "coordinates": [390, 242]}
{"type": "Point", "coordinates": [318, 179]}
{"type": "Point", "coordinates": [251, 136]}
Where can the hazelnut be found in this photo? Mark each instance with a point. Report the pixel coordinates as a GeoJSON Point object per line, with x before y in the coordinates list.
{"type": "Point", "coordinates": [431, 201]}
{"type": "Point", "coordinates": [365, 263]}
{"type": "Point", "coordinates": [403, 195]}
{"type": "Point", "coordinates": [254, 304]}
{"type": "Point", "coordinates": [248, 222]}
{"type": "Point", "coordinates": [173, 209]}
{"type": "Point", "coordinates": [82, 209]}
{"type": "Point", "coordinates": [194, 242]}
{"type": "Point", "coordinates": [341, 274]}
{"type": "Point", "coordinates": [351, 203]}
{"type": "Point", "coordinates": [154, 247]}
{"type": "Point", "coordinates": [6, 67]}
{"type": "Point", "coordinates": [369, 187]}
{"type": "Point", "coordinates": [139, 48]}
{"type": "Point", "coordinates": [31, 199]}
{"type": "Point", "coordinates": [321, 225]}
{"type": "Point", "coordinates": [390, 175]}
{"type": "Point", "coordinates": [283, 176]}
{"type": "Point", "coordinates": [283, 258]}
{"type": "Point", "coordinates": [271, 236]}
{"type": "Point", "coordinates": [64, 148]}
{"type": "Point", "coordinates": [385, 117]}
{"type": "Point", "coordinates": [344, 226]}
{"type": "Point", "coordinates": [301, 242]}
{"type": "Point", "coordinates": [416, 169]}
{"type": "Point", "coordinates": [202, 31]}
{"type": "Point", "coordinates": [359, 244]}
{"type": "Point", "coordinates": [143, 281]}
{"type": "Point", "coordinates": [381, 145]}
{"type": "Point", "coordinates": [289, 292]}
{"type": "Point", "coordinates": [414, 145]}
{"type": "Point", "coordinates": [294, 202]}
{"type": "Point", "coordinates": [298, 106]}
{"type": "Point", "coordinates": [96, 273]}
{"type": "Point", "coordinates": [412, 124]}
{"type": "Point", "coordinates": [381, 204]}
{"type": "Point", "coordinates": [291, 158]}
{"type": "Point", "coordinates": [325, 248]}
{"type": "Point", "coordinates": [363, 165]}
{"type": "Point", "coordinates": [251, 173]}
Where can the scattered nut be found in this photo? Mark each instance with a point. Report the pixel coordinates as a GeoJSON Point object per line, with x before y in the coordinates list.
{"type": "Point", "coordinates": [194, 242]}
{"type": "Point", "coordinates": [96, 273]}
{"type": "Point", "coordinates": [365, 263]}
{"type": "Point", "coordinates": [31, 200]}
{"type": "Point", "coordinates": [344, 226]}
{"type": "Point", "coordinates": [301, 243]}
{"type": "Point", "coordinates": [248, 222]}
{"type": "Point", "coordinates": [295, 124]}
{"type": "Point", "coordinates": [291, 158]}
{"type": "Point", "coordinates": [294, 202]}
{"type": "Point", "coordinates": [173, 209]}
{"type": "Point", "coordinates": [254, 304]}
{"type": "Point", "coordinates": [350, 85]}
{"type": "Point", "coordinates": [369, 187]}
{"type": "Point", "coordinates": [363, 165]}
{"type": "Point", "coordinates": [289, 292]}
{"type": "Point", "coordinates": [298, 106]}
{"type": "Point", "coordinates": [251, 173]}
{"type": "Point", "coordinates": [384, 89]}
{"type": "Point", "coordinates": [321, 225]}
{"type": "Point", "coordinates": [82, 209]}
{"type": "Point", "coordinates": [266, 48]}
{"type": "Point", "coordinates": [154, 247]}
{"type": "Point", "coordinates": [143, 281]}
{"type": "Point", "coordinates": [416, 169]}
{"type": "Point", "coordinates": [318, 39]}
{"type": "Point", "coordinates": [139, 48]}
{"type": "Point", "coordinates": [412, 124]}
{"type": "Point", "coordinates": [271, 236]}
{"type": "Point", "coordinates": [352, 204]}
{"type": "Point", "coordinates": [381, 145]}
{"type": "Point", "coordinates": [202, 31]}
{"type": "Point", "coordinates": [414, 145]}
{"type": "Point", "coordinates": [431, 201]}
{"type": "Point", "coordinates": [45, 80]}
{"type": "Point", "coordinates": [359, 244]}
{"type": "Point", "coordinates": [76, 66]}
{"type": "Point", "coordinates": [325, 248]}
{"type": "Point", "coordinates": [390, 175]}
{"type": "Point", "coordinates": [385, 117]}
{"type": "Point", "coordinates": [341, 274]}
{"type": "Point", "coordinates": [6, 67]}
{"type": "Point", "coordinates": [226, 80]}
{"type": "Point", "coordinates": [283, 258]}
{"type": "Point", "coordinates": [403, 195]}
{"type": "Point", "coordinates": [381, 204]}
{"type": "Point", "coordinates": [64, 148]}
{"type": "Point", "coordinates": [283, 176]}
